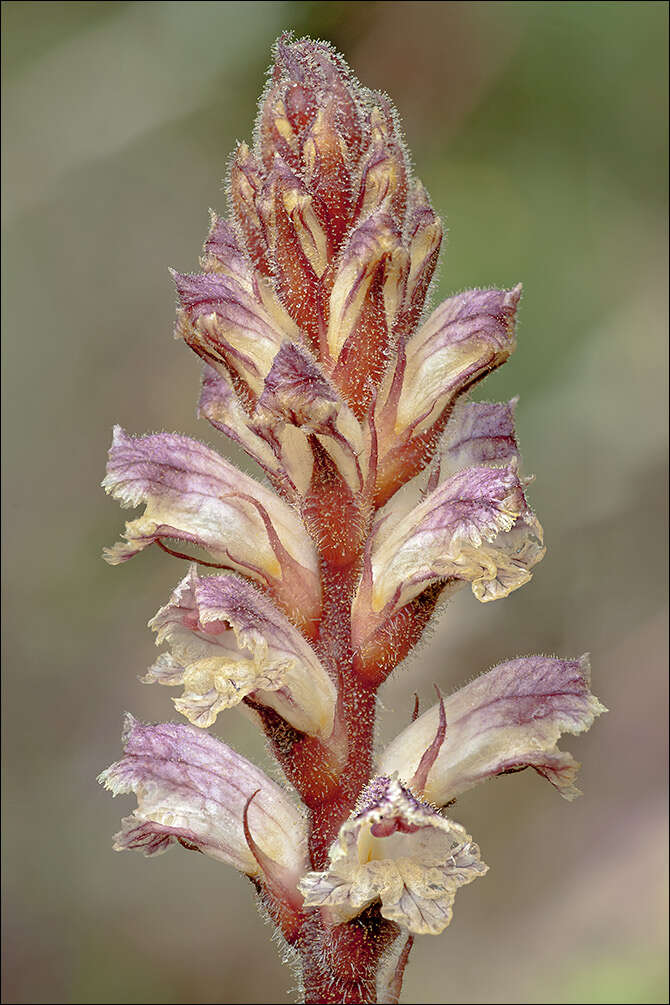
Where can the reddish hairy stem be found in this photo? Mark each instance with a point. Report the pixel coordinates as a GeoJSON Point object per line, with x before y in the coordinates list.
{"type": "Point", "coordinates": [341, 964]}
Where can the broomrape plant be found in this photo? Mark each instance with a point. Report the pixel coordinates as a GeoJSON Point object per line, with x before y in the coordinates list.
{"type": "Point", "coordinates": [319, 362]}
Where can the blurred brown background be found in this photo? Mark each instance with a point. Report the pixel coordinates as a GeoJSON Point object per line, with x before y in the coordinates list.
{"type": "Point", "coordinates": [540, 130]}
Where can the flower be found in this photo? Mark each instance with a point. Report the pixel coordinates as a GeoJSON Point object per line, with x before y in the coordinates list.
{"type": "Point", "coordinates": [474, 525]}
{"type": "Point", "coordinates": [226, 641]}
{"type": "Point", "coordinates": [400, 851]}
{"type": "Point", "coordinates": [194, 495]}
{"type": "Point", "coordinates": [299, 395]}
{"type": "Point", "coordinates": [465, 338]}
{"type": "Point", "coordinates": [193, 790]}
{"type": "Point", "coordinates": [505, 720]}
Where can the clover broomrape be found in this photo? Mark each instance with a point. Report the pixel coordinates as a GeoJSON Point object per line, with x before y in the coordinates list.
{"type": "Point", "coordinates": [308, 315]}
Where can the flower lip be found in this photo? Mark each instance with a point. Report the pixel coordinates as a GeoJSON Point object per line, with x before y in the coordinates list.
{"type": "Point", "coordinates": [400, 851]}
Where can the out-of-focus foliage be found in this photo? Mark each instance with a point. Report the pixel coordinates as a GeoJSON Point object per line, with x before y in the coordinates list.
{"type": "Point", "coordinates": [540, 131]}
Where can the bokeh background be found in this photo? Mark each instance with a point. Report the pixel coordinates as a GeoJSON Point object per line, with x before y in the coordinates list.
{"type": "Point", "coordinates": [540, 130]}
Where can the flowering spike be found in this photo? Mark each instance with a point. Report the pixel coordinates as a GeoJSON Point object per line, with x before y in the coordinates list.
{"type": "Point", "coordinates": [307, 314]}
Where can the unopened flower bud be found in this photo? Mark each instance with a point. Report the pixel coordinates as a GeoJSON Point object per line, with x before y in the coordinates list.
{"type": "Point", "coordinates": [246, 181]}
{"type": "Point", "coordinates": [425, 230]}
{"type": "Point", "coordinates": [384, 169]}
{"type": "Point", "coordinates": [463, 340]}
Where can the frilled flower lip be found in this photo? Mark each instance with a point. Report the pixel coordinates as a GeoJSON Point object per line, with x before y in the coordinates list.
{"type": "Point", "coordinates": [400, 851]}
{"type": "Point", "coordinates": [193, 790]}
{"type": "Point", "coordinates": [505, 720]}
{"type": "Point", "coordinates": [226, 640]}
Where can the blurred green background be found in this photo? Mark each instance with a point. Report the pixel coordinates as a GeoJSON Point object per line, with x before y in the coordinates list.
{"type": "Point", "coordinates": [540, 131]}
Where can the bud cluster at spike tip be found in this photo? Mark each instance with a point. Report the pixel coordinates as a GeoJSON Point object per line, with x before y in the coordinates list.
{"type": "Point", "coordinates": [329, 232]}
{"type": "Point", "coordinates": [323, 365]}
